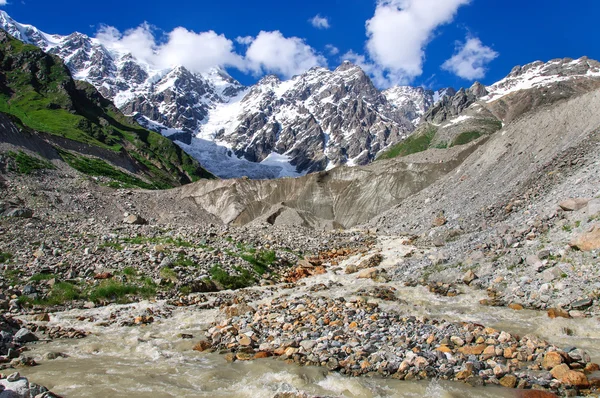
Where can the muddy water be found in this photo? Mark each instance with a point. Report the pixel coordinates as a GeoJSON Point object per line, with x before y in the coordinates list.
{"type": "Point", "coordinates": [153, 360]}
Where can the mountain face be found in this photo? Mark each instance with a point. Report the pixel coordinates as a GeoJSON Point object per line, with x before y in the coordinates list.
{"type": "Point", "coordinates": [39, 99]}
{"type": "Point", "coordinates": [314, 121]}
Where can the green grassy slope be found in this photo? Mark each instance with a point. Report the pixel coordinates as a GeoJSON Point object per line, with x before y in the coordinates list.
{"type": "Point", "coordinates": [37, 88]}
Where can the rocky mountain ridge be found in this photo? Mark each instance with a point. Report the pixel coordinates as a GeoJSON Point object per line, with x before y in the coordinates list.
{"type": "Point", "coordinates": [304, 123]}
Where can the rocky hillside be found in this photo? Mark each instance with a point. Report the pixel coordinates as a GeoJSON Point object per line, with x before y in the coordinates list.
{"type": "Point", "coordinates": [45, 110]}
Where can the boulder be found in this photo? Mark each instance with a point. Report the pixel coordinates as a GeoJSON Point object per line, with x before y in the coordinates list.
{"type": "Point", "coordinates": [24, 335]}
{"type": "Point", "coordinates": [588, 241]}
{"type": "Point", "coordinates": [573, 204]}
{"type": "Point", "coordinates": [134, 219]}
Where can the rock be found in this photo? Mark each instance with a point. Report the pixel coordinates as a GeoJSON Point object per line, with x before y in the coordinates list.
{"type": "Point", "coordinates": [570, 377]}
{"type": "Point", "coordinates": [534, 262]}
{"type": "Point", "coordinates": [581, 304]}
{"type": "Point", "coordinates": [41, 317]}
{"type": "Point", "coordinates": [244, 340]}
{"type": "Point", "coordinates": [134, 219]}
{"type": "Point", "coordinates": [509, 381]}
{"type": "Point", "coordinates": [237, 310]}
{"type": "Point", "coordinates": [534, 394]}
{"type": "Point", "coordinates": [14, 377]}
{"type": "Point", "coordinates": [368, 273]}
{"type": "Point", "coordinates": [469, 277]}
{"type": "Point", "coordinates": [588, 241]}
{"type": "Point", "coordinates": [573, 204]}
{"type": "Point", "coordinates": [515, 306]}
{"type": "Point", "coordinates": [19, 213]}
{"type": "Point", "coordinates": [557, 312]}
{"type": "Point", "coordinates": [49, 356]}
{"type": "Point", "coordinates": [439, 221]}
{"type": "Point", "coordinates": [551, 360]}
{"type": "Point", "coordinates": [24, 335]}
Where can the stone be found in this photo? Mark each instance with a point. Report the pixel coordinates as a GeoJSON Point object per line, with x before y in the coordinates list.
{"type": "Point", "coordinates": [570, 377]}
{"type": "Point", "coordinates": [534, 262]}
{"type": "Point", "coordinates": [41, 317]}
{"type": "Point", "coordinates": [244, 340]}
{"type": "Point", "coordinates": [19, 213]}
{"type": "Point", "coordinates": [509, 381]}
{"type": "Point", "coordinates": [24, 335]}
{"type": "Point", "coordinates": [202, 346]}
{"type": "Point", "coordinates": [588, 241]}
{"type": "Point", "coordinates": [573, 204]}
{"type": "Point", "coordinates": [551, 360]}
{"type": "Point", "coordinates": [558, 313]}
{"type": "Point", "coordinates": [368, 273]}
{"type": "Point", "coordinates": [515, 306]}
{"type": "Point", "coordinates": [473, 350]}
{"type": "Point", "coordinates": [14, 377]}
{"type": "Point", "coordinates": [469, 277]}
{"type": "Point", "coordinates": [134, 219]}
{"type": "Point", "coordinates": [582, 304]}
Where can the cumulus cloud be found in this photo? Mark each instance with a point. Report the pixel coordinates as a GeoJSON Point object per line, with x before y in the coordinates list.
{"type": "Point", "coordinates": [331, 49]}
{"type": "Point", "coordinates": [3, 2]}
{"type": "Point", "coordinates": [271, 52]}
{"type": "Point", "coordinates": [470, 59]}
{"type": "Point", "coordinates": [196, 51]}
{"type": "Point", "coordinates": [399, 32]}
{"type": "Point", "coordinates": [319, 22]}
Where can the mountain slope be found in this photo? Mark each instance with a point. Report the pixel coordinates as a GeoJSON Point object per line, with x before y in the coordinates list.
{"type": "Point", "coordinates": [38, 89]}
{"type": "Point", "coordinates": [314, 121]}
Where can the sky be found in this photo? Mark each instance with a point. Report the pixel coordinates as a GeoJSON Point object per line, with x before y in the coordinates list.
{"type": "Point", "coordinates": [430, 43]}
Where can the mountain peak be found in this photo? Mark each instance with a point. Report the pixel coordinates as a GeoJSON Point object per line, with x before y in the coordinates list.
{"type": "Point", "coordinates": [346, 65]}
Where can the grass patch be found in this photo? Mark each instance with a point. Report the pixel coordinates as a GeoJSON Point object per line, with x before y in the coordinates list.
{"type": "Point", "coordinates": [111, 245]}
{"type": "Point", "coordinates": [441, 145]}
{"type": "Point", "coordinates": [168, 274]}
{"type": "Point", "coordinates": [27, 164]}
{"type": "Point", "coordinates": [129, 271]}
{"type": "Point", "coordinates": [117, 291]}
{"type": "Point", "coordinates": [5, 257]}
{"type": "Point", "coordinates": [140, 240]}
{"type": "Point", "coordinates": [466, 137]}
{"type": "Point", "coordinates": [413, 144]}
{"type": "Point", "coordinates": [100, 168]}
{"type": "Point", "coordinates": [240, 281]}
{"type": "Point", "coordinates": [261, 261]}
{"type": "Point", "coordinates": [42, 277]}
{"type": "Point", "coordinates": [61, 293]}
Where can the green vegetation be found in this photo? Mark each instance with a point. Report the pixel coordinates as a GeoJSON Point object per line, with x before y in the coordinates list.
{"type": "Point", "coordinates": [441, 145]}
{"type": "Point", "coordinates": [466, 137]}
{"type": "Point", "coordinates": [38, 91]}
{"type": "Point", "coordinates": [28, 164]}
{"type": "Point", "coordinates": [140, 240]}
{"type": "Point", "coordinates": [413, 144]}
{"type": "Point", "coordinates": [61, 293]}
{"type": "Point", "coordinates": [112, 245]}
{"type": "Point", "coordinates": [117, 291]}
{"type": "Point", "coordinates": [261, 261]}
{"type": "Point", "coordinates": [129, 271]}
{"type": "Point", "coordinates": [168, 274]}
{"type": "Point", "coordinates": [42, 277]}
{"type": "Point", "coordinates": [99, 168]}
{"type": "Point", "coordinates": [5, 257]}
{"type": "Point", "coordinates": [222, 277]}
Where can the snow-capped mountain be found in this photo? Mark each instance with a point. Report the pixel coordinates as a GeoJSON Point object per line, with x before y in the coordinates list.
{"type": "Point", "coordinates": [312, 122]}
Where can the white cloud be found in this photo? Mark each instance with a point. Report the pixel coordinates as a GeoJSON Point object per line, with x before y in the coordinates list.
{"type": "Point", "coordinates": [319, 22]}
{"type": "Point", "coordinates": [245, 40]}
{"type": "Point", "coordinates": [196, 51]}
{"type": "Point", "coordinates": [380, 77]}
{"type": "Point", "coordinates": [399, 32]}
{"type": "Point", "coordinates": [271, 52]}
{"type": "Point", "coordinates": [470, 59]}
{"type": "Point", "coordinates": [331, 49]}
{"type": "Point", "coordinates": [3, 2]}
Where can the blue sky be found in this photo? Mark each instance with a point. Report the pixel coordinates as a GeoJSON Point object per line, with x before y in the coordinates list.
{"type": "Point", "coordinates": [498, 34]}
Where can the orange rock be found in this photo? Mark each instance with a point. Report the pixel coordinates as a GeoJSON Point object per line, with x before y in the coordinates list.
{"type": "Point", "coordinates": [353, 325]}
{"type": "Point", "coordinates": [570, 377]}
{"type": "Point", "coordinates": [104, 275]}
{"type": "Point", "coordinates": [261, 354]}
{"type": "Point", "coordinates": [534, 394]}
{"type": "Point", "coordinates": [591, 367]}
{"type": "Point", "coordinates": [515, 306]}
{"type": "Point", "coordinates": [472, 350]}
{"type": "Point", "coordinates": [552, 360]}
{"type": "Point", "coordinates": [588, 241]}
{"type": "Point", "coordinates": [464, 374]}
{"type": "Point", "coordinates": [557, 312]}
{"type": "Point", "coordinates": [443, 348]}
{"type": "Point", "coordinates": [201, 346]}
